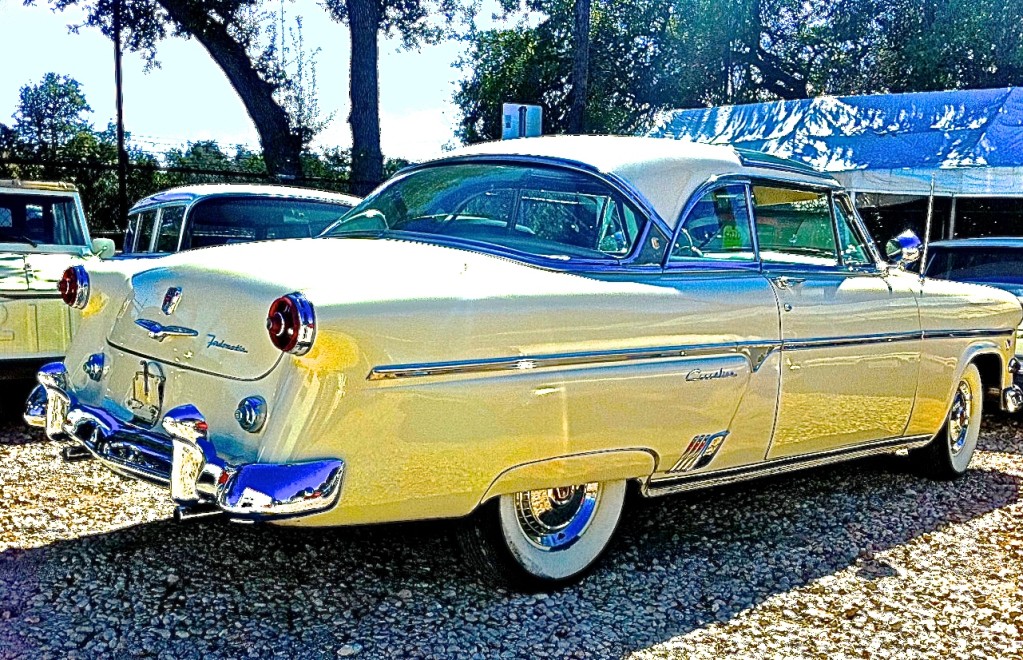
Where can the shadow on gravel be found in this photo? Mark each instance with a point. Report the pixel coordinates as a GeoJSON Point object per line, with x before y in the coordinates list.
{"type": "Point", "coordinates": [214, 588]}
{"type": "Point", "coordinates": [1002, 433]}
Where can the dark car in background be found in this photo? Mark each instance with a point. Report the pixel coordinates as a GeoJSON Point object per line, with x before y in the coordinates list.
{"type": "Point", "coordinates": [216, 214]}
{"type": "Point", "coordinates": [996, 262]}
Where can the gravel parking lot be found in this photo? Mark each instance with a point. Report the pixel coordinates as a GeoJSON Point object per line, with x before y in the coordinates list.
{"type": "Point", "coordinates": [861, 560]}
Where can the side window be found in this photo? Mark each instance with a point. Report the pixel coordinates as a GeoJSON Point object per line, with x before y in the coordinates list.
{"type": "Point", "coordinates": [794, 226]}
{"type": "Point", "coordinates": [145, 230]}
{"type": "Point", "coordinates": [717, 227]}
{"type": "Point", "coordinates": [853, 246]}
{"type": "Point", "coordinates": [170, 228]}
{"type": "Point", "coordinates": [131, 232]}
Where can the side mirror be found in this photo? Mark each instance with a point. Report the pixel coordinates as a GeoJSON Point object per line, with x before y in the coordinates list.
{"type": "Point", "coordinates": [904, 249]}
{"type": "Point", "coordinates": [103, 247]}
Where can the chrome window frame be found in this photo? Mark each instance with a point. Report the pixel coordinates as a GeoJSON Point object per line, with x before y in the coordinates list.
{"type": "Point", "coordinates": [647, 215]}
{"type": "Point", "coordinates": [830, 191]}
{"type": "Point", "coordinates": [711, 184]}
{"type": "Point", "coordinates": [181, 230]}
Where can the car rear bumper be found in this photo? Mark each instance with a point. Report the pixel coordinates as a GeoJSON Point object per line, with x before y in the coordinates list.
{"type": "Point", "coordinates": [181, 457]}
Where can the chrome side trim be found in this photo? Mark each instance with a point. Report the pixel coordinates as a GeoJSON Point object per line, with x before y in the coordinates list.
{"type": "Point", "coordinates": [853, 340]}
{"type": "Point", "coordinates": [755, 352]}
{"type": "Point", "coordinates": [655, 488]}
{"type": "Point", "coordinates": [965, 334]}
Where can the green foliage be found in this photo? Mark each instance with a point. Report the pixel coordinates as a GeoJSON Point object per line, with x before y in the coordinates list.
{"type": "Point", "coordinates": [51, 115]}
{"type": "Point", "coordinates": [648, 55]}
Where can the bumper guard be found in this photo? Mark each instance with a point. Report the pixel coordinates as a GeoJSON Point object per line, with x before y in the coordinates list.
{"type": "Point", "coordinates": [182, 457]}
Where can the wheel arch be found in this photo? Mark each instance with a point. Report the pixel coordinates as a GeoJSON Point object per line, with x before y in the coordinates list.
{"type": "Point", "coordinates": [610, 465]}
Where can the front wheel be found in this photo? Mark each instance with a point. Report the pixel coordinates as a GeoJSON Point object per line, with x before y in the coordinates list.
{"type": "Point", "coordinates": [543, 539]}
{"type": "Point", "coordinates": [949, 453]}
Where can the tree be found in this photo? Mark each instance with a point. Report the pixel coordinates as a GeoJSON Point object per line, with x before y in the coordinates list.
{"type": "Point", "coordinates": [580, 67]}
{"type": "Point", "coordinates": [413, 21]}
{"type": "Point", "coordinates": [233, 32]}
{"type": "Point", "coordinates": [51, 115]}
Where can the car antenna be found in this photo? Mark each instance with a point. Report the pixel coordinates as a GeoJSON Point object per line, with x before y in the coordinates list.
{"type": "Point", "coordinates": [927, 230]}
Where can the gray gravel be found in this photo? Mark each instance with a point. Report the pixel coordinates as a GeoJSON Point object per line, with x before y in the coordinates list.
{"type": "Point", "coordinates": [862, 560]}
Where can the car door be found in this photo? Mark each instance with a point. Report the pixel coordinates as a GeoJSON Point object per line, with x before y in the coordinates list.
{"type": "Point", "coordinates": [850, 334]}
{"type": "Point", "coordinates": [726, 399]}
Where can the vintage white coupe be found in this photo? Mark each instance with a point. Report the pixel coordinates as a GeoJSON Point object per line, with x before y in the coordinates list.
{"type": "Point", "coordinates": [517, 333]}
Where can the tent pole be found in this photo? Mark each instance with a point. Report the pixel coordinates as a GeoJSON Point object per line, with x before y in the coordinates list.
{"type": "Point", "coordinates": [927, 229]}
{"type": "Point", "coordinates": [952, 219]}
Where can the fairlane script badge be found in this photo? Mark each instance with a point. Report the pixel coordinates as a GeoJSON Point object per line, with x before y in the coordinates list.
{"type": "Point", "coordinates": [146, 397]}
{"type": "Point", "coordinates": [171, 300]}
{"type": "Point", "coordinates": [698, 374]}
{"type": "Point", "coordinates": [216, 343]}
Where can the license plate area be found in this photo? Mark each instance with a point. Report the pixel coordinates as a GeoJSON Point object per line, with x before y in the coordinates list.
{"type": "Point", "coordinates": [145, 400]}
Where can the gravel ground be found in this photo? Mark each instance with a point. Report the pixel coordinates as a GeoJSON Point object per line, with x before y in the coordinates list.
{"type": "Point", "coordinates": [861, 560]}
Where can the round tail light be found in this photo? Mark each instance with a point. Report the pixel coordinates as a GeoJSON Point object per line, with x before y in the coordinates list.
{"type": "Point", "coordinates": [291, 324]}
{"type": "Point", "coordinates": [74, 287]}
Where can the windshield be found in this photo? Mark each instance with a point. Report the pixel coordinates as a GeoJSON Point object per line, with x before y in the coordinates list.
{"type": "Point", "coordinates": [1001, 267]}
{"type": "Point", "coordinates": [544, 211]}
{"type": "Point", "coordinates": [39, 220]}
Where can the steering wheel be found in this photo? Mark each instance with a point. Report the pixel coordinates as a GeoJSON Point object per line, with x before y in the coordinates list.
{"type": "Point", "coordinates": [369, 219]}
{"type": "Point", "coordinates": [693, 250]}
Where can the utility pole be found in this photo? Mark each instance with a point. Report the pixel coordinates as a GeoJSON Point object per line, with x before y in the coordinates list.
{"type": "Point", "coordinates": [122, 154]}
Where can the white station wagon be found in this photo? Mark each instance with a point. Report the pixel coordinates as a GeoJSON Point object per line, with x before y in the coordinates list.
{"type": "Point", "coordinates": [518, 332]}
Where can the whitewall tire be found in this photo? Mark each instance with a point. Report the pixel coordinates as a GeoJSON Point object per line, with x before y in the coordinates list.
{"type": "Point", "coordinates": [948, 455]}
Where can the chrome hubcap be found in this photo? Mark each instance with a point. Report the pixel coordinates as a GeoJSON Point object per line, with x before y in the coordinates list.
{"type": "Point", "coordinates": [555, 518]}
{"type": "Point", "coordinates": [959, 417]}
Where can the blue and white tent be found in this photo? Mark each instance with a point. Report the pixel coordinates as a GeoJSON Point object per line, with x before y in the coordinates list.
{"type": "Point", "coordinates": [970, 142]}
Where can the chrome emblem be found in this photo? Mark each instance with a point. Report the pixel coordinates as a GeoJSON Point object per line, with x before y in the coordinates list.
{"type": "Point", "coordinates": [159, 332]}
{"type": "Point", "coordinates": [700, 452]}
{"type": "Point", "coordinates": [146, 397]}
{"type": "Point", "coordinates": [171, 299]}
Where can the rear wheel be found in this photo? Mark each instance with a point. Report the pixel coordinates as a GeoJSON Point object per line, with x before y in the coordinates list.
{"type": "Point", "coordinates": [543, 539]}
{"type": "Point", "coordinates": [949, 453]}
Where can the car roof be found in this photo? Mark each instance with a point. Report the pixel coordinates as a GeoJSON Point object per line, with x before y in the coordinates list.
{"type": "Point", "coordinates": [988, 242]}
{"type": "Point", "coordinates": [191, 193]}
{"type": "Point", "coordinates": [46, 186]}
{"type": "Point", "coordinates": [664, 171]}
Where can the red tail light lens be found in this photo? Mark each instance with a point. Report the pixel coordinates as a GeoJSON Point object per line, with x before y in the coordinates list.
{"type": "Point", "coordinates": [74, 287]}
{"type": "Point", "coordinates": [291, 324]}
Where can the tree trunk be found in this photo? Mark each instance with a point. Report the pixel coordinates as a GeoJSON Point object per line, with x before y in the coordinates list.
{"type": "Point", "coordinates": [281, 148]}
{"type": "Point", "coordinates": [367, 159]}
{"type": "Point", "coordinates": [580, 67]}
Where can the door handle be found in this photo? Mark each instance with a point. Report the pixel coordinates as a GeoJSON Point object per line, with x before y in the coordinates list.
{"type": "Point", "coordinates": [786, 282]}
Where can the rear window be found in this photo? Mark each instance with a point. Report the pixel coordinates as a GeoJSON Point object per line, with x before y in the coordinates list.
{"type": "Point", "coordinates": [988, 265]}
{"type": "Point", "coordinates": [40, 220]}
{"type": "Point", "coordinates": [222, 220]}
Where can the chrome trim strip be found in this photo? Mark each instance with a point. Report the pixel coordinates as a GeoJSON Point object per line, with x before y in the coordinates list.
{"type": "Point", "coordinates": [965, 334]}
{"type": "Point", "coordinates": [852, 340]}
{"type": "Point", "coordinates": [658, 487]}
{"type": "Point", "coordinates": [755, 352]}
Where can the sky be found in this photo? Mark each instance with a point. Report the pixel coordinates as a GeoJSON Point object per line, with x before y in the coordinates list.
{"type": "Point", "coordinates": [188, 98]}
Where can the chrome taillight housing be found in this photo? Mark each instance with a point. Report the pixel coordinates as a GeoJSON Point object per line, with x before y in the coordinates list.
{"type": "Point", "coordinates": [291, 323]}
{"type": "Point", "coordinates": [74, 287]}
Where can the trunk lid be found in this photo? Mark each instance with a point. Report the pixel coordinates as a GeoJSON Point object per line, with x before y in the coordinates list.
{"type": "Point", "coordinates": [199, 319]}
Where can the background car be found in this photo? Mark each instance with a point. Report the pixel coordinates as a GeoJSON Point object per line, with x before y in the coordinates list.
{"type": "Point", "coordinates": [996, 262]}
{"type": "Point", "coordinates": [42, 232]}
{"type": "Point", "coordinates": [519, 333]}
{"type": "Point", "coordinates": [207, 215]}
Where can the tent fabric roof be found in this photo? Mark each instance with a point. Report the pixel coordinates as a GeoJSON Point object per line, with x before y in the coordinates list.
{"type": "Point", "coordinates": [970, 142]}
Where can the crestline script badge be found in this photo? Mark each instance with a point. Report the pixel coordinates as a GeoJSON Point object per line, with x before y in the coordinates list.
{"type": "Point", "coordinates": [699, 374]}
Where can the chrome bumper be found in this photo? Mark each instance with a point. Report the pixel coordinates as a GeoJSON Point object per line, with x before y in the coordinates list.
{"type": "Point", "coordinates": [182, 457]}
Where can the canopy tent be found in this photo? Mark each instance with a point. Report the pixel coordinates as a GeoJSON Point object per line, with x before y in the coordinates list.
{"type": "Point", "coordinates": [970, 142]}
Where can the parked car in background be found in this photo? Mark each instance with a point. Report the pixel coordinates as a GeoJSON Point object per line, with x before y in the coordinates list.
{"type": "Point", "coordinates": [217, 214]}
{"type": "Point", "coordinates": [996, 262]}
{"type": "Point", "coordinates": [42, 232]}
{"type": "Point", "coordinates": [519, 331]}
